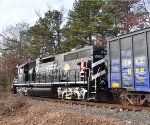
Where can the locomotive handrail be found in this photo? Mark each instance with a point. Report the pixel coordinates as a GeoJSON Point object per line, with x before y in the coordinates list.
{"type": "Point", "coordinates": [55, 76]}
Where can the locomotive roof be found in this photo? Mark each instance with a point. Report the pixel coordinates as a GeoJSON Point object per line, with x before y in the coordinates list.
{"type": "Point", "coordinates": [73, 51]}
{"type": "Point", "coordinates": [52, 56]}
{"type": "Point", "coordinates": [80, 49]}
{"type": "Point", "coordinates": [76, 50]}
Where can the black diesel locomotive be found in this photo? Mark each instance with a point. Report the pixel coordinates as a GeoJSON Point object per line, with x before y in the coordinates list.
{"type": "Point", "coordinates": [93, 72]}
{"type": "Point", "coordinates": [78, 74]}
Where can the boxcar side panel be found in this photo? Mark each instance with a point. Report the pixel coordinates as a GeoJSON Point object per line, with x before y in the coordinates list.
{"type": "Point", "coordinates": [115, 79]}
{"type": "Point", "coordinates": [129, 61]}
{"type": "Point", "coordinates": [126, 62]}
{"type": "Point", "coordinates": [140, 62]}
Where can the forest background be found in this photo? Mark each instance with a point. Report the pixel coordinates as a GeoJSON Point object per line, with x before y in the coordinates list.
{"type": "Point", "coordinates": [88, 21]}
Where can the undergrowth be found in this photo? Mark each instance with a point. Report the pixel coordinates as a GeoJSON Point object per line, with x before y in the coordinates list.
{"type": "Point", "coordinates": [10, 104]}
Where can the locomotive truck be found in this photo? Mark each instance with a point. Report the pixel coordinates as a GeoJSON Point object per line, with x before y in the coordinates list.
{"type": "Point", "coordinates": [120, 72]}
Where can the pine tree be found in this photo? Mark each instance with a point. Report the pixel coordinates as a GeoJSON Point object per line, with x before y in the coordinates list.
{"type": "Point", "coordinates": [87, 21]}
{"type": "Point", "coordinates": [47, 32]}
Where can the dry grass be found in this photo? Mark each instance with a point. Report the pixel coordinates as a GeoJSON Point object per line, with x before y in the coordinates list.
{"type": "Point", "coordinates": [15, 110]}
{"type": "Point", "coordinates": [8, 104]}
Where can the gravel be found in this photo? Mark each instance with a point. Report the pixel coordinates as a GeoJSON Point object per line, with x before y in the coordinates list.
{"type": "Point", "coordinates": [128, 117]}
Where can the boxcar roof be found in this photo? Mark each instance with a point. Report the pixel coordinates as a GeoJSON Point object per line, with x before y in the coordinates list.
{"type": "Point", "coordinates": [129, 34]}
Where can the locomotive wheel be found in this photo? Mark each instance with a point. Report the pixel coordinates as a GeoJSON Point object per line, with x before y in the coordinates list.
{"type": "Point", "coordinates": [123, 99]}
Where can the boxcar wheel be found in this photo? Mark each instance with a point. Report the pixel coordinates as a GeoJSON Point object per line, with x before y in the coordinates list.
{"type": "Point", "coordinates": [123, 99]}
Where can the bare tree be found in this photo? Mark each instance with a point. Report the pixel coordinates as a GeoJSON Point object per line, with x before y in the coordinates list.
{"type": "Point", "coordinates": [15, 41]}
{"type": "Point", "coordinates": [146, 4]}
{"type": "Point", "coordinates": [14, 51]}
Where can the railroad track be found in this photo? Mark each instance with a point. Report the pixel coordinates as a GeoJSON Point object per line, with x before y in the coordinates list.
{"type": "Point", "coordinates": [94, 104]}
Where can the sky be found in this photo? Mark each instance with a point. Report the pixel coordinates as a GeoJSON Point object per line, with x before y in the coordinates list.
{"type": "Point", "coordinates": [16, 11]}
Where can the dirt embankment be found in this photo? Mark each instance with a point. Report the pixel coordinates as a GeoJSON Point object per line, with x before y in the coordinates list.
{"type": "Point", "coordinates": [20, 110]}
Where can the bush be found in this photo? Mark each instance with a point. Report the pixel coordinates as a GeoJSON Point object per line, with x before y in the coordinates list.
{"type": "Point", "coordinates": [10, 104]}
